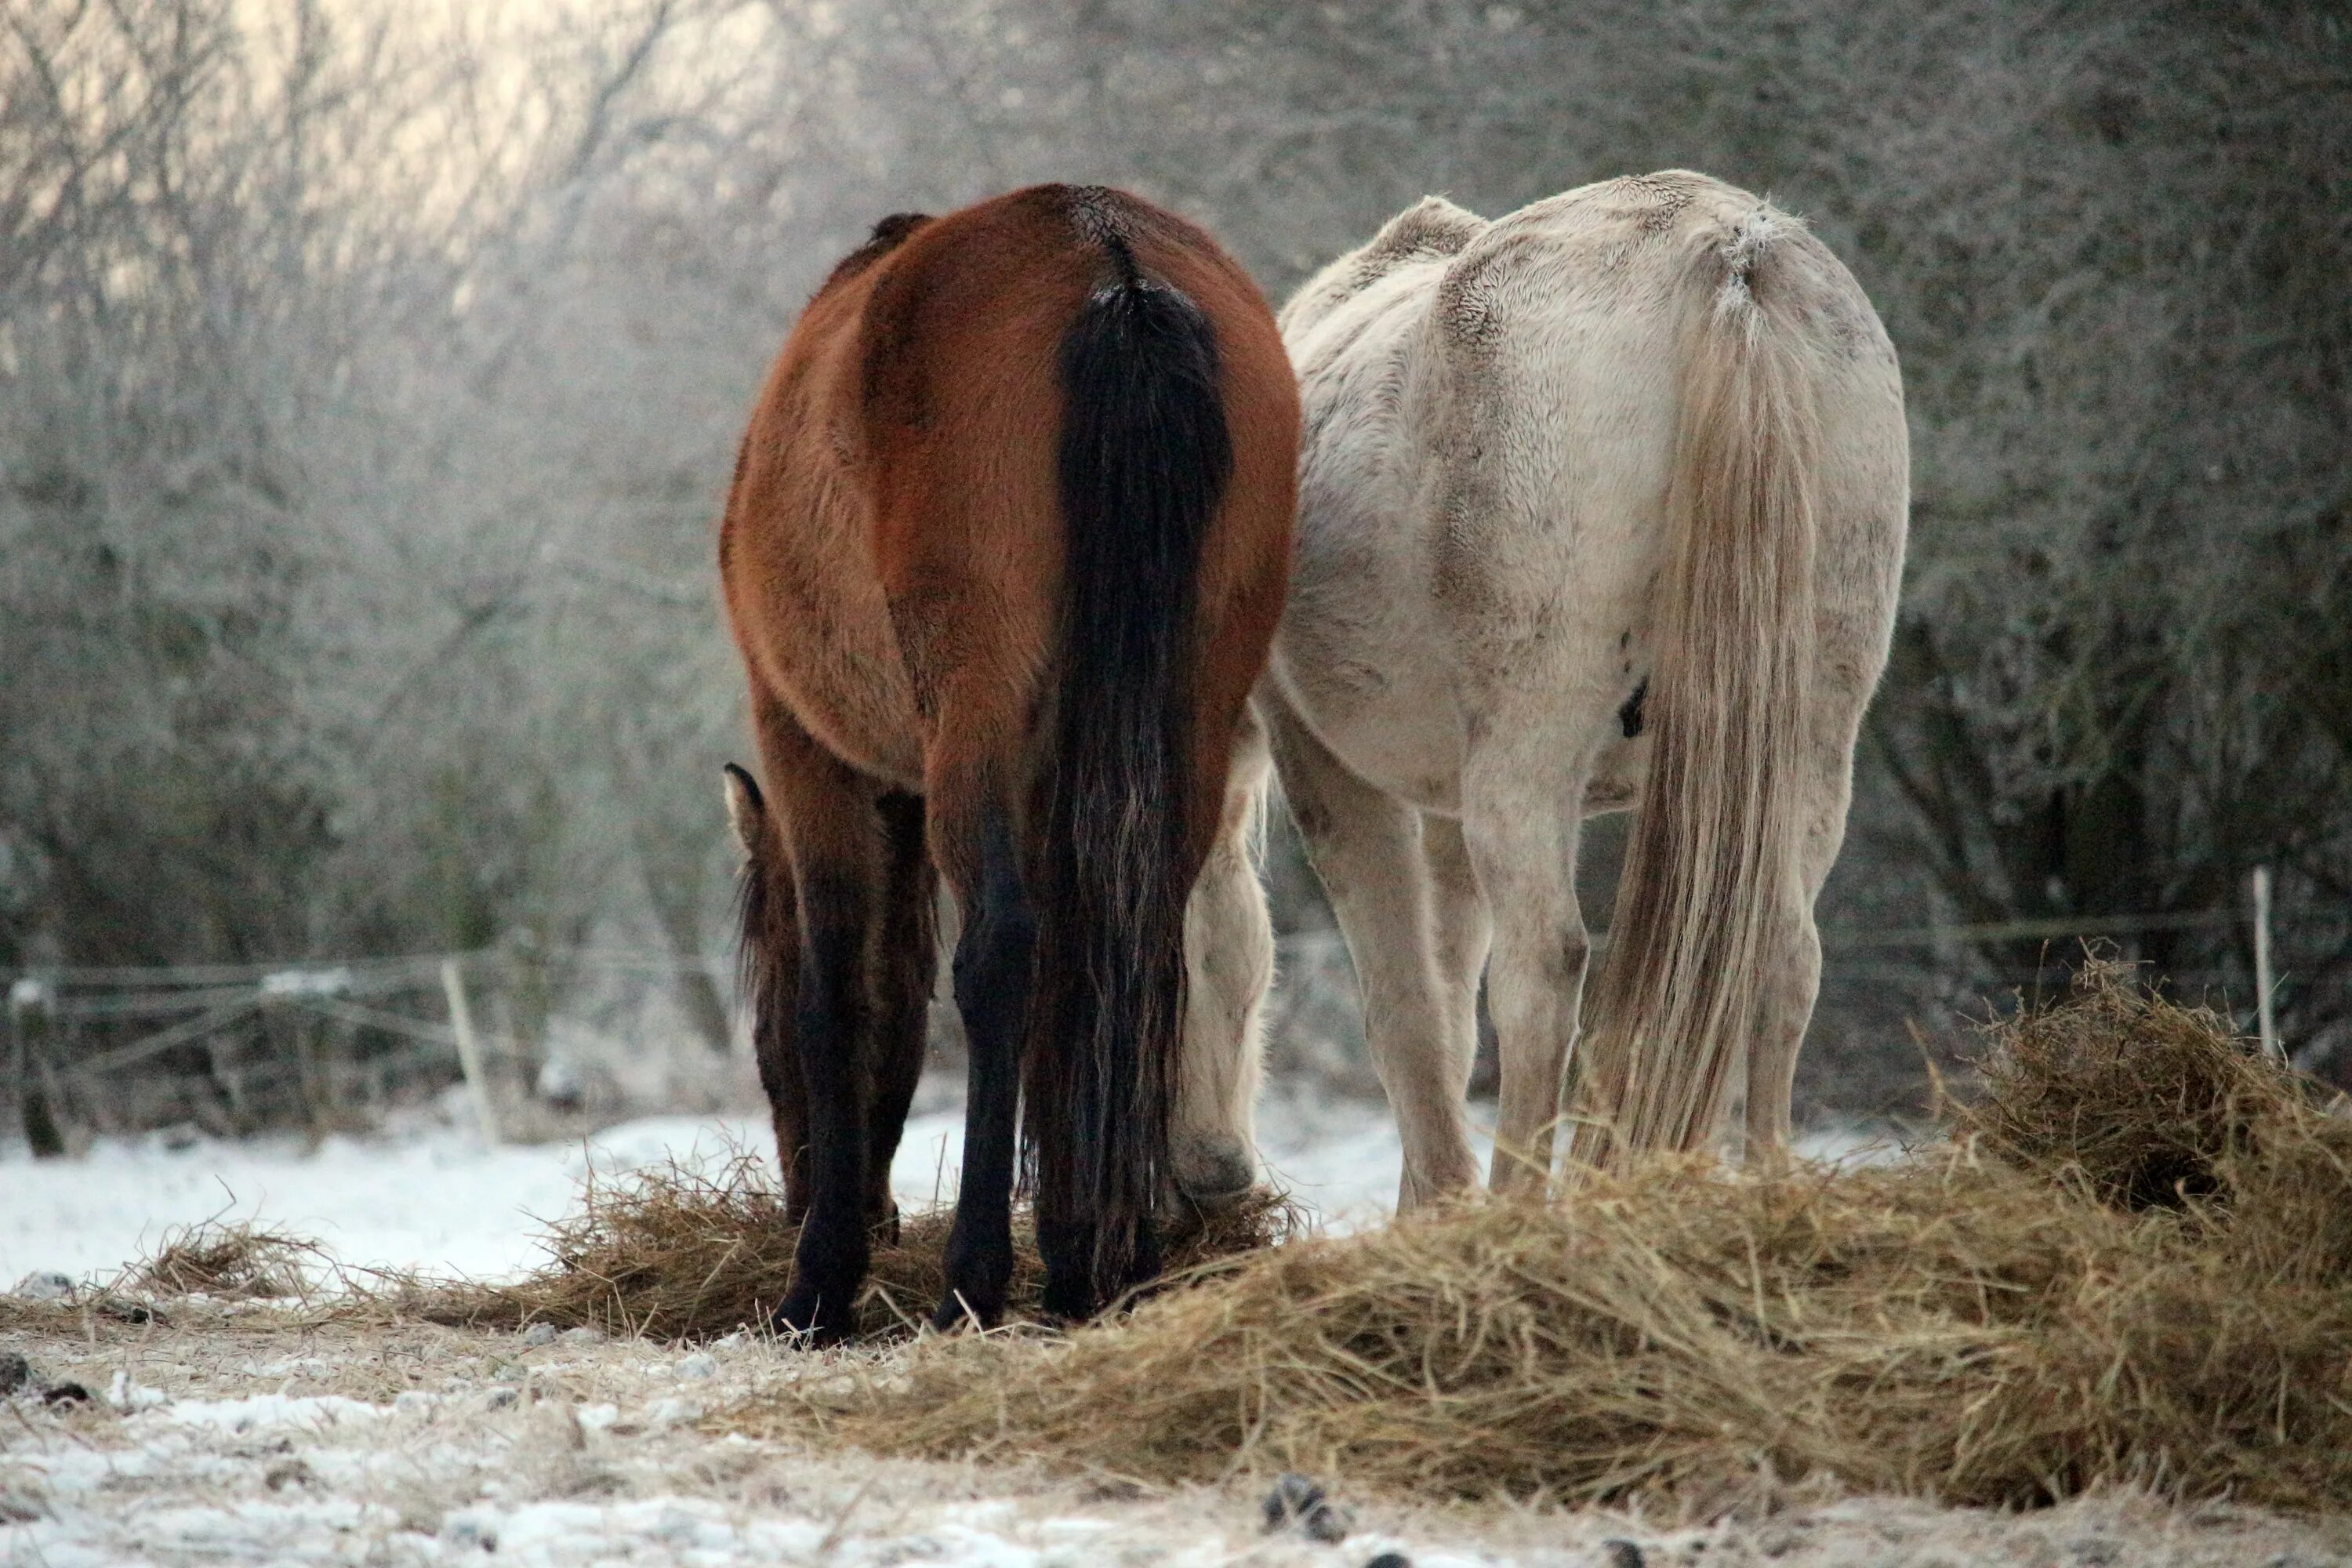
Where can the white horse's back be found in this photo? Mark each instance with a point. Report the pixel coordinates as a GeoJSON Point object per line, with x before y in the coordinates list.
{"type": "Point", "coordinates": [1631, 458]}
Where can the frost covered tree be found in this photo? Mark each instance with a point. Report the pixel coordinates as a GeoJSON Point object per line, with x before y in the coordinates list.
{"type": "Point", "coordinates": [370, 376]}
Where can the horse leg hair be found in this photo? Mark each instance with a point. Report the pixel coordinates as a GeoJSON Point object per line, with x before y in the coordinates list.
{"type": "Point", "coordinates": [1792, 959]}
{"type": "Point", "coordinates": [1465, 933]}
{"type": "Point", "coordinates": [768, 910]}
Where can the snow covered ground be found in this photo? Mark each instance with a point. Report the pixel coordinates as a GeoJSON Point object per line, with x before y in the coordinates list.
{"type": "Point", "coordinates": [219, 1438]}
{"type": "Point", "coordinates": [436, 1199]}
{"type": "Point", "coordinates": [568, 1453]}
{"type": "Point", "coordinates": [220, 1433]}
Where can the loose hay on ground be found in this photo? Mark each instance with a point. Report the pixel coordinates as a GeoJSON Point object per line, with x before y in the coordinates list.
{"type": "Point", "coordinates": [231, 1261]}
{"type": "Point", "coordinates": [2015, 1314]}
{"type": "Point", "coordinates": [678, 1252]}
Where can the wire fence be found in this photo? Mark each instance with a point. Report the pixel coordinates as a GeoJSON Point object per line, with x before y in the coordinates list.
{"type": "Point", "coordinates": [1893, 997]}
{"type": "Point", "coordinates": [233, 1048]}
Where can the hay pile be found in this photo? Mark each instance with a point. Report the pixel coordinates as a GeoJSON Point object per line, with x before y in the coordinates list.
{"type": "Point", "coordinates": [678, 1252]}
{"type": "Point", "coordinates": [236, 1262]}
{"type": "Point", "coordinates": [2132, 1260]}
{"type": "Point", "coordinates": [2144, 1100]}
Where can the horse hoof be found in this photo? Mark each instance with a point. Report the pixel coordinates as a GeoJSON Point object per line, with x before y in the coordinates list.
{"type": "Point", "coordinates": [958, 1312]}
{"type": "Point", "coordinates": [805, 1318]}
{"type": "Point", "coordinates": [1067, 1305]}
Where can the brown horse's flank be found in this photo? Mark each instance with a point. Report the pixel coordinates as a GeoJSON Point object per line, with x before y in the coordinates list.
{"type": "Point", "coordinates": [1005, 548]}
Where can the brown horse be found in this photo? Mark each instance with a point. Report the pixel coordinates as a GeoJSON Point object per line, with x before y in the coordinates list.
{"type": "Point", "coordinates": [1007, 544]}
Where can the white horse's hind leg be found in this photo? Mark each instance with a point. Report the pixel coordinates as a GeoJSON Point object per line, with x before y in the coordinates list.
{"type": "Point", "coordinates": [1229, 964]}
{"type": "Point", "coordinates": [1523, 843]}
{"type": "Point", "coordinates": [1464, 934]}
{"type": "Point", "coordinates": [1793, 981]}
{"type": "Point", "coordinates": [1367, 849]}
{"type": "Point", "coordinates": [1787, 1004]}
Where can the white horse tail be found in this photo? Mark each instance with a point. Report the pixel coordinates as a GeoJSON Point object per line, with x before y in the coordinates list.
{"type": "Point", "coordinates": [1711, 865]}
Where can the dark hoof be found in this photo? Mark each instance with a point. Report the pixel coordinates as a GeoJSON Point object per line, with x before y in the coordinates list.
{"type": "Point", "coordinates": [958, 1311]}
{"type": "Point", "coordinates": [1075, 1294]}
{"type": "Point", "coordinates": [1069, 1304]}
{"type": "Point", "coordinates": [979, 1276]}
{"type": "Point", "coordinates": [809, 1317]}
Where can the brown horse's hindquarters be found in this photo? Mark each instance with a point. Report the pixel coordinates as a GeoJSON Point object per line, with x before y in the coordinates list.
{"type": "Point", "coordinates": [1012, 531]}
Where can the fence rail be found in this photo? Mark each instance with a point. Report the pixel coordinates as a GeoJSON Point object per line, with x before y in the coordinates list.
{"type": "Point", "coordinates": [325, 1025]}
{"type": "Point", "coordinates": [297, 1041]}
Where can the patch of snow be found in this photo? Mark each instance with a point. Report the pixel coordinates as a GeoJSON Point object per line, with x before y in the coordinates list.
{"type": "Point", "coordinates": [672, 1412]}
{"type": "Point", "coordinates": [129, 1397]}
{"type": "Point", "coordinates": [264, 1412]}
{"type": "Point", "coordinates": [434, 1198]}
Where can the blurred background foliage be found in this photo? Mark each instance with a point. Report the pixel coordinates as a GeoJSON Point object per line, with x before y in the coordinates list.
{"type": "Point", "coordinates": [370, 376]}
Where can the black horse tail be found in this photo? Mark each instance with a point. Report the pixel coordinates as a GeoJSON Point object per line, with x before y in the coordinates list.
{"type": "Point", "coordinates": [1145, 457]}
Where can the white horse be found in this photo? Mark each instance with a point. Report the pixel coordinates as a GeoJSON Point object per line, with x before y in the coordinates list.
{"type": "Point", "coordinates": [1601, 506]}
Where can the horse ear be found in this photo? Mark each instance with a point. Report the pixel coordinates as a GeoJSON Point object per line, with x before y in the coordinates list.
{"type": "Point", "coordinates": [1431, 227]}
{"type": "Point", "coordinates": [746, 810]}
{"type": "Point", "coordinates": [892, 231]}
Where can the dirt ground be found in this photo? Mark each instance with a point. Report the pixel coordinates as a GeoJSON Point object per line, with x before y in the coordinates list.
{"type": "Point", "coordinates": [219, 1433]}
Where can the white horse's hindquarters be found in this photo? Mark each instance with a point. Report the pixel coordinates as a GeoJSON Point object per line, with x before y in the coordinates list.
{"type": "Point", "coordinates": [1480, 517]}
{"type": "Point", "coordinates": [1363, 656]}
{"type": "Point", "coordinates": [1493, 414]}
{"type": "Point", "coordinates": [1481, 521]}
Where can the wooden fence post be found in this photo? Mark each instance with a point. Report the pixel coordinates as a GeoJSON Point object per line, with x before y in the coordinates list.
{"type": "Point", "coordinates": [2265, 1021]}
{"type": "Point", "coordinates": [469, 1050]}
{"type": "Point", "coordinates": [30, 1003]}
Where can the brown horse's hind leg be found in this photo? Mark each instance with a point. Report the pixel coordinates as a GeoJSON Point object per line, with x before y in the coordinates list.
{"type": "Point", "coordinates": [905, 956]}
{"type": "Point", "coordinates": [771, 979]}
{"type": "Point", "coordinates": [826, 814]}
{"type": "Point", "coordinates": [972, 838]}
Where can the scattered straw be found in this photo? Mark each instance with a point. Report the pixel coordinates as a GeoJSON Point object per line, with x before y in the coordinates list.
{"type": "Point", "coordinates": [2132, 1262]}
{"type": "Point", "coordinates": [679, 1251]}
{"type": "Point", "coordinates": [231, 1261]}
